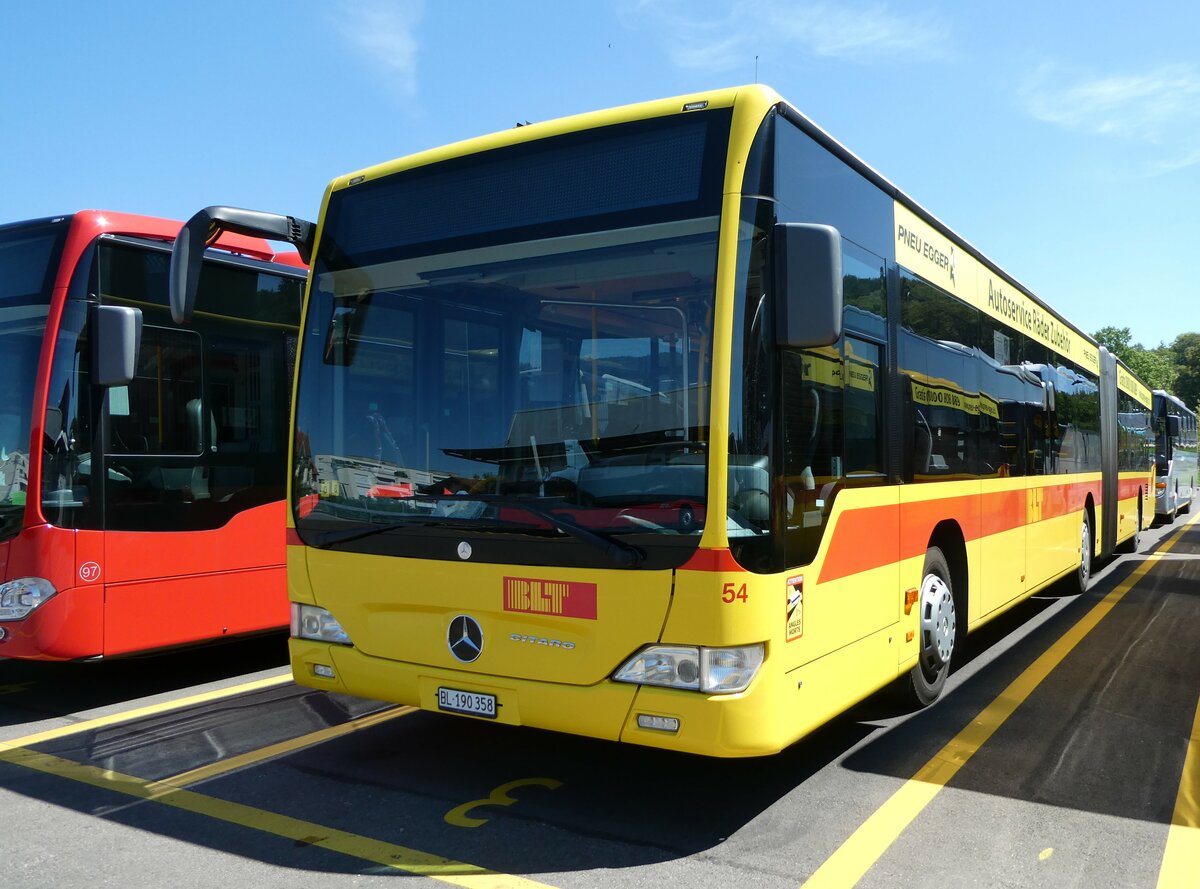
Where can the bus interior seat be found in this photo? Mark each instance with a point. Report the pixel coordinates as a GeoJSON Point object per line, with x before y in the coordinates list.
{"type": "Point", "coordinates": [195, 420]}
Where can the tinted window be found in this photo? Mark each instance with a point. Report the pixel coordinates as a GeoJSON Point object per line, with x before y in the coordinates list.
{"type": "Point", "coordinates": [656, 170]}
{"type": "Point", "coordinates": [813, 185]}
{"type": "Point", "coordinates": [1135, 434]}
{"type": "Point", "coordinates": [1075, 428]}
{"type": "Point", "coordinates": [200, 433]}
{"type": "Point", "coordinates": [29, 259]}
{"type": "Point", "coordinates": [245, 290]}
{"type": "Point", "coordinates": [941, 384]}
{"type": "Point", "coordinates": [974, 405]}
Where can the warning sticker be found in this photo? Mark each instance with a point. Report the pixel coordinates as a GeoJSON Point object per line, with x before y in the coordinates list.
{"type": "Point", "coordinates": [795, 607]}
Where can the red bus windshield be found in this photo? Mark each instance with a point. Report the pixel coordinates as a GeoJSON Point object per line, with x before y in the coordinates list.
{"type": "Point", "coordinates": [28, 261]}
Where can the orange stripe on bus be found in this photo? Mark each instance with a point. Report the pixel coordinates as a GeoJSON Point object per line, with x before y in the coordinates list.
{"type": "Point", "coordinates": [1129, 488]}
{"type": "Point", "coordinates": [1002, 511]}
{"type": "Point", "coordinates": [874, 536]}
{"type": "Point", "coordinates": [865, 538]}
{"type": "Point", "coordinates": [917, 520]}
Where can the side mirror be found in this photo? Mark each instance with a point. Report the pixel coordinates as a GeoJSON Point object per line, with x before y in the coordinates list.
{"type": "Point", "coordinates": [203, 229]}
{"type": "Point", "coordinates": [116, 338]}
{"type": "Point", "coordinates": [1173, 425]}
{"type": "Point", "coordinates": [1048, 397]}
{"type": "Point", "coordinates": [808, 285]}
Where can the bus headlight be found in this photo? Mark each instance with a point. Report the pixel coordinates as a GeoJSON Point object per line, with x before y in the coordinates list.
{"type": "Point", "coordinates": [21, 596]}
{"type": "Point", "coordinates": [311, 622]}
{"type": "Point", "coordinates": [708, 670]}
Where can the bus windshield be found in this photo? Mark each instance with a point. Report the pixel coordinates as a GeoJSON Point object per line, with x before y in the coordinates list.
{"type": "Point", "coordinates": [522, 345]}
{"type": "Point", "coordinates": [28, 260]}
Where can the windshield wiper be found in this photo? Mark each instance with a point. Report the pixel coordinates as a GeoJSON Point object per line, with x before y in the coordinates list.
{"type": "Point", "coordinates": [329, 538]}
{"type": "Point", "coordinates": [624, 554]}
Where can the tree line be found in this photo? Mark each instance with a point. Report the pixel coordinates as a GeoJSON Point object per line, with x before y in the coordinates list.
{"type": "Point", "coordinates": [1174, 367]}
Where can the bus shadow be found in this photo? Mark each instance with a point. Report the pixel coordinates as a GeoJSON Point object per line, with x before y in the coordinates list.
{"type": "Point", "coordinates": [32, 691]}
{"type": "Point", "coordinates": [1129, 684]}
{"type": "Point", "coordinates": [400, 781]}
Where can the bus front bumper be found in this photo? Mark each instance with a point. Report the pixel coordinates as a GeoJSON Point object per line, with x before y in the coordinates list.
{"type": "Point", "coordinates": [713, 725]}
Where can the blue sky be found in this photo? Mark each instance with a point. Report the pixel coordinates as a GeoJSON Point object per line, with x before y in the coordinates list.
{"type": "Point", "coordinates": [1061, 139]}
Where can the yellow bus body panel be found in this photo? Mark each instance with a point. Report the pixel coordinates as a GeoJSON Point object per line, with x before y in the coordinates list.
{"type": "Point", "coordinates": [397, 609]}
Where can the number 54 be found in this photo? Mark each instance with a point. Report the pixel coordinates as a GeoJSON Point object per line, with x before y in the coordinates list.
{"type": "Point", "coordinates": [732, 593]}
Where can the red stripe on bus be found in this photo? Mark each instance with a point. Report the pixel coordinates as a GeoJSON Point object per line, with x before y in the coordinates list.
{"type": "Point", "coordinates": [712, 560]}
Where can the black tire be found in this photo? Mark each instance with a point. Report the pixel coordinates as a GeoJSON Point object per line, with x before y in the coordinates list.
{"type": "Point", "coordinates": [1087, 552]}
{"type": "Point", "coordinates": [938, 631]}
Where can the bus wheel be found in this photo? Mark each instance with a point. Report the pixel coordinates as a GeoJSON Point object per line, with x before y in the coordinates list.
{"type": "Point", "coordinates": [1085, 553]}
{"type": "Point", "coordinates": [939, 626]}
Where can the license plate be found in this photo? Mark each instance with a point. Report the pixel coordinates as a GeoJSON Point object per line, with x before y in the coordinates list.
{"type": "Point", "coordinates": [471, 702]}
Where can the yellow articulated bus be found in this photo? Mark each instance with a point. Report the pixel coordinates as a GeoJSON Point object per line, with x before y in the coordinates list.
{"type": "Point", "coordinates": [674, 424]}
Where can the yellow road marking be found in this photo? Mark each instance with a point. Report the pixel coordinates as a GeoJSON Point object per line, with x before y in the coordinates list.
{"type": "Point", "coordinates": [850, 862]}
{"type": "Point", "coordinates": [139, 712]}
{"type": "Point", "coordinates": [364, 848]}
{"type": "Point", "coordinates": [221, 767]}
{"type": "Point", "coordinates": [459, 816]}
{"type": "Point", "coordinates": [1181, 858]}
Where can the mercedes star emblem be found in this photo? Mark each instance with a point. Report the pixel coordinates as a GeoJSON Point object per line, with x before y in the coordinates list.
{"type": "Point", "coordinates": [465, 638]}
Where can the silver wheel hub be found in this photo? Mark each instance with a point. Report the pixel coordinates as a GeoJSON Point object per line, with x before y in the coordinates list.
{"type": "Point", "coordinates": [938, 621]}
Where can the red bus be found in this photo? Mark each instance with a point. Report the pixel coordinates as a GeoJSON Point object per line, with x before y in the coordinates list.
{"type": "Point", "coordinates": [142, 464]}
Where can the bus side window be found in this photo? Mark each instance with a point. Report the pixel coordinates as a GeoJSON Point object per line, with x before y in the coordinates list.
{"type": "Point", "coordinates": [864, 419]}
{"type": "Point", "coordinates": [812, 445]}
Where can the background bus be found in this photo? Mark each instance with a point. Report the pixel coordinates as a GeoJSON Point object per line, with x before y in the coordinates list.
{"type": "Point", "coordinates": [140, 508]}
{"type": "Point", "coordinates": [1175, 456]}
{"type": "Point", "coordinates": [611, 438]}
